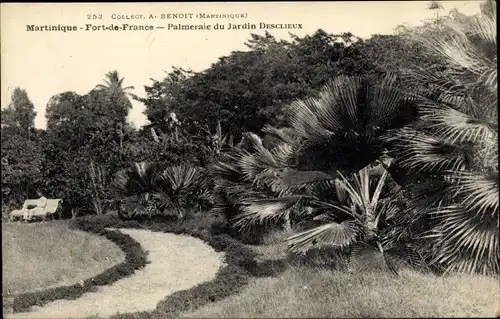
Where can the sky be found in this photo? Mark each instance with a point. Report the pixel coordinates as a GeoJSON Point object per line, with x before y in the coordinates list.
{"type": "Point", "coordinates": [45, 63]}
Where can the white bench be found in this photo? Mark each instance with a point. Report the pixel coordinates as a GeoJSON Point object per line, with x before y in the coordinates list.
{"type": "Point", "coordinates": [36, 208]}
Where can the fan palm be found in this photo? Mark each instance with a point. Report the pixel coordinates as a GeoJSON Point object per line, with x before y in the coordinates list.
{"type": "Point", "coordinates": [186, 189]}
{"type": "Point", "coordinates": [135, 189]}
{"type": "Point", "coordinates": [346, 120]}
{"type": "Point", "coordinates": [455, 143]}
{"type": "Point", "coordinates": [252, 170]}
{"type": "Point", "coordinates": [342, 213]}
{"type": "Point", "coordinates": [328, 133]}
{"type": "Point", "coordinates": [148, 189]}
{"type": "Point", "coordinates": [325, 138]}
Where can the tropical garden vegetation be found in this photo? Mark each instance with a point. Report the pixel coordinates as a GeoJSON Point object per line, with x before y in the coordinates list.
{"type": "Point", "coordinates": [384, 148]}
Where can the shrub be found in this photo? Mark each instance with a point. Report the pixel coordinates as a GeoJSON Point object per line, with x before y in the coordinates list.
{"type": "Point", "coordinates": [153, 189]}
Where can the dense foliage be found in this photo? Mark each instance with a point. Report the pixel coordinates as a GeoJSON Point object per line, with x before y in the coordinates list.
{"type": "Point", "coordinates": [455, 143]}
{"type": "Point", "coordinates": [153, 189]}
{"type": "Point", "coordinates": [387, 144]}
{"type": "Point", "coordinates": [245, 90]}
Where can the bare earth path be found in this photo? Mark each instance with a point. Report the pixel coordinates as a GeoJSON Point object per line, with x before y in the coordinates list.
{"type": "Point", "coordinates": [178, 262]}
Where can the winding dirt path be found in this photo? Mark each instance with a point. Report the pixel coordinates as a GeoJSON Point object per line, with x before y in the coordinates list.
{"type": "Point", "coordinates": [178, 262]}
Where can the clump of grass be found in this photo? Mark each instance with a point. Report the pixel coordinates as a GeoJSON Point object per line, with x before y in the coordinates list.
{"type": "Point", "coordinates": [40, 256]}
{"type": "Point", "coordinates": [273, 246]}
{"type": "Point", "coordinates": [306, 292]}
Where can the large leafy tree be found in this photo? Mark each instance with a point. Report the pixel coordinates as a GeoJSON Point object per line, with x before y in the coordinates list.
{"type": "Point", "coordinates": [66, 134]}
{"type": "Point", "coordinates": [91, 128]}
{"type": "Point", "coordinates": [165, 96]}
{"type": "Point", "coordinates": [455, 145]}
{"type": "Point", "coordinates": [396, 54]}
{"type": "Point", "coordinates": [22, 172]}
{"type": "Point", "coordinates": [21, 151]}
{"type": "Point", "coordinates": [20, 113]}
{"type": "Point", "coordinates": [246, 90]}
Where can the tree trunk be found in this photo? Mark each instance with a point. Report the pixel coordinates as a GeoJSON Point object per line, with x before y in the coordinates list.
{"type": "Point", "coordinates": [74, 213]}
{"type": "Point", "coordinates": [288, 224]}
{"type": "Point", "coordinates": [371, 224]}
{"type": "Point", "coordinates": [121, 141]}
{"type": "Point", "coordinates": [176, 134]}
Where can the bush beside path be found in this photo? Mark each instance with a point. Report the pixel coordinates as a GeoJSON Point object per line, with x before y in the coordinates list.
{"type": "Point", "coordinates": [177, 262]}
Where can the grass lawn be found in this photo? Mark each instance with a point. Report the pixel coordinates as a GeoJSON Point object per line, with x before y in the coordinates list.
{"type": "Point", "coordinates": [304, 291]}
{"type": "Point", "coordinates": [317, 293]}
{"type": "Point", "coordinates": [37, 256]}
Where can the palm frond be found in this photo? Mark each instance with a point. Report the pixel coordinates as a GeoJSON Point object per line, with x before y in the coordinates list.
{"type": "Point", "coordinates": [357, 193]}
{"type": "Point", "coordinates": [459, 50]}
{"type": "Point", "coordinates": [260, 211]}
{"type": "Point", "coordinates": [467, 242]}
{"type": "Point", "coordinates": [283, 153]}
{"type": "Point", "coordinates": [469, 46]}
{"type": "Point", "coordinates": [180, 176]}
{"type": "Point", "coordinates": [334, 234]}
{"type": "Point", "coordinates": [453, 148]}
{"type": "Point", "coordinates": [326, 189]}
{"type": "Point", "coordinates": [453, 126]}
{"type": "Point", "coordinates": [334, 210]}
{"type": "Point", "coordinates": [390, 106]}
{"type": "Point", "coordinates": [348, 117]}
{"type": "Point", "coordinates": [227, 170]}
{"type": "Point", "coordinates": [101, 87]}
{"type": "Point", "coordinates": [138, 178]}
{"type": "Point", "coordinates": [283, 134]}
{"type": "Point", "coordinates": [257, 159]}
{"type": "Point", "coordinates": [421, 151]}
{"type": "Point", "coordinates": [480, 193]}
{"type": "Point", "coordinates": [378, 189]}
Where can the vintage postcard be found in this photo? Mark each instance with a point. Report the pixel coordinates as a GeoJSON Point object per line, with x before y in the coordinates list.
{"type": "Point", "coordinates": [250, 159]}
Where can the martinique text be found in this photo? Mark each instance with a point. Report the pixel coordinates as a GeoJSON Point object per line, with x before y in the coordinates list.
{"type": "Point", "coordinates": [90, 27]}
{"type": "Point", "coordinates": [60, 28]}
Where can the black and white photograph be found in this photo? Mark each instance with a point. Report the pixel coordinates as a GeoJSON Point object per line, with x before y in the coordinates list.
{"type": "Point", "coordinates": [301, 159]}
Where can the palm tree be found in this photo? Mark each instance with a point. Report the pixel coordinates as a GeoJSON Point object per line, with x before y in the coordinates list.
{"type": "Point", "coordinates": [325, 139]}
{"type": "Point", "coordinates": [328, 134]}
{"type": "Point", "coordinates": [134, 189]}
{"type": "Point", "coordinates": [348, 119]}
{"type": "Point", "coordinates": [435, 6]}
{"type": "Point", "coordinates": [152, 189]}
{"type": "Point", "coordinates": [455, 143]}
{"type": "Point", "coordinates": [349, 212]}
{"type": "Point", "coordinates": [113, 83]}
{"type": "Point", "coordinates": [252, 170]}
{"type": "Point", "coordinates": [113, 86]}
